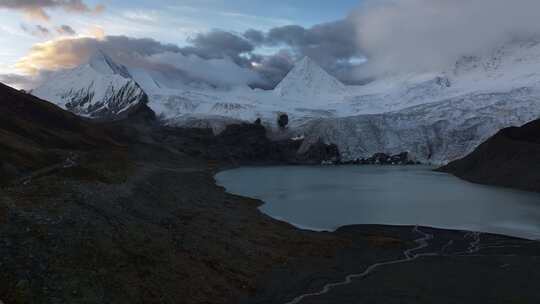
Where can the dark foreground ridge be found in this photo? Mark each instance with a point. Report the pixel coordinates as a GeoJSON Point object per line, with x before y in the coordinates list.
{"type": "Point", "coordinates": [35, 134]}
{"type": "Point", "coordinates": [511, 158]}
{"type": "Point", "coordinates": [129, 212]}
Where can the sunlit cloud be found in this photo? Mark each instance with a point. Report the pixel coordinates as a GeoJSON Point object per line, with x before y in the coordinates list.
{"type": "Point", "coordinates": [97, 32]}
{"type": "Point", "coordinates": [69, 52]}
{"type": "Point", "coordinates": [37, 9]}
{"type": "Point", "coordinates": [51, 55]}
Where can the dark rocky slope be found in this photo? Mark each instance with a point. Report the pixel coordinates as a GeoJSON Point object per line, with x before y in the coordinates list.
{"type": "Point", "coordinates": [132, 214]}
{"type": "Point", "coordinates": [35, 134]}
{"type": "Point", "coordinates": [128, 212]}
{"type": "Point", "coordinates": [511, 158]}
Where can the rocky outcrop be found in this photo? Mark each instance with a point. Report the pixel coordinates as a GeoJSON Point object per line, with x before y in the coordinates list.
{"type": "Point", "coordinates": [248, 144]}
{"type": "Point", "coordinates": [320, 153]}
{"type": "Point", "coordinates": [403, 158]}
{"type": "Point", "coordinates": [511, 158]}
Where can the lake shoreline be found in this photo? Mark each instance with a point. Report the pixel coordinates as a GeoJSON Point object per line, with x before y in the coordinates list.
{"type": "Point", "coordinates": [424, 197]}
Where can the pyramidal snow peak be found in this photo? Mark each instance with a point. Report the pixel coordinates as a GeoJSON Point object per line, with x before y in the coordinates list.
{"type": "Point", "coordinates": [307, 80]}
{"type": "Point", "coordinates": [101, 62]}
{"type": "Point", "coordinates": [100, 89]}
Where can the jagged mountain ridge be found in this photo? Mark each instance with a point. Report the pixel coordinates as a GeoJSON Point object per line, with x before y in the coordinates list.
{"type": "Point", "coordinates": [104, 64]}
{"type": "Point", "coordinates": [99, 89]}
{"type": "Point", "coordinates": [396, 113]}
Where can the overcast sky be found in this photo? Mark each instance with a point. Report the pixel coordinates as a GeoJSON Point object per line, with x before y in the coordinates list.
{"type": "Point", "coordinates": [256, 41]}
{"type": "Point", "coordinates": [168, 21]}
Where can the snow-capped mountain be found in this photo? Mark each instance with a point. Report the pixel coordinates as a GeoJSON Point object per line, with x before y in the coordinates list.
{"type": "Point", "coordinates": [308, 81]}
{"type": "Point", "coordinates": [432, 132]}
{"type": "Point", "coordinates": [99, 89]}
{"type": "Point", "coordinates": [436, 116]}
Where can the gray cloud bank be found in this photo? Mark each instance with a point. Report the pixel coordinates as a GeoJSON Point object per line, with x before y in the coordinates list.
{"type": "Point", "coordinates": [36, 30]}
{"type": "Point", "coordinates": [43, 32]}
{"type": "Point", "coordinates": [394, 36]}
{"type": "Point", "coordinates": [429, 35]}
{"type": "Point", "coordinates": [66, 30]}
{"type": "Point", "coordinates": [333, 45]}
{"type": "Point", "coordinates": [202, 62]}
{"type": "Point", "coordinates": [217, 57]}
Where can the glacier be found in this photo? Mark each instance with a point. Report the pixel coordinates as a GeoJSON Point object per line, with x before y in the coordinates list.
{"type": "Point", "coordinates": [436, 116]}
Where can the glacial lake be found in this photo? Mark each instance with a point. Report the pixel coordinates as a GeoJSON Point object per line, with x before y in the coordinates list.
{"type": "Point", "coordinates": [325, 198]}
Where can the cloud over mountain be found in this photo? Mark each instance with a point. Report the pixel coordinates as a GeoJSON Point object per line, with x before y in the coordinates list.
{"type": "Point", "coordinates": [219, 44]}
{"type": "Point", "coordinates": [23, 81]}
{"type": "Point", "coordinates": [204, 61]}
{"type": "Point", "coordinates": [393, 35]}
{"type": "Point", "coordinates": [413, 35]}
{"type": "Point", "coordinates": [70, 52]}
{"type": "Point", "coordinates": [332, 45]}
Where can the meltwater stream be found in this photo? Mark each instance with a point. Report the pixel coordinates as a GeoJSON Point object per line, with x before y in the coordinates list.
{"type": "Point", "coordinates": [325, 198]}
